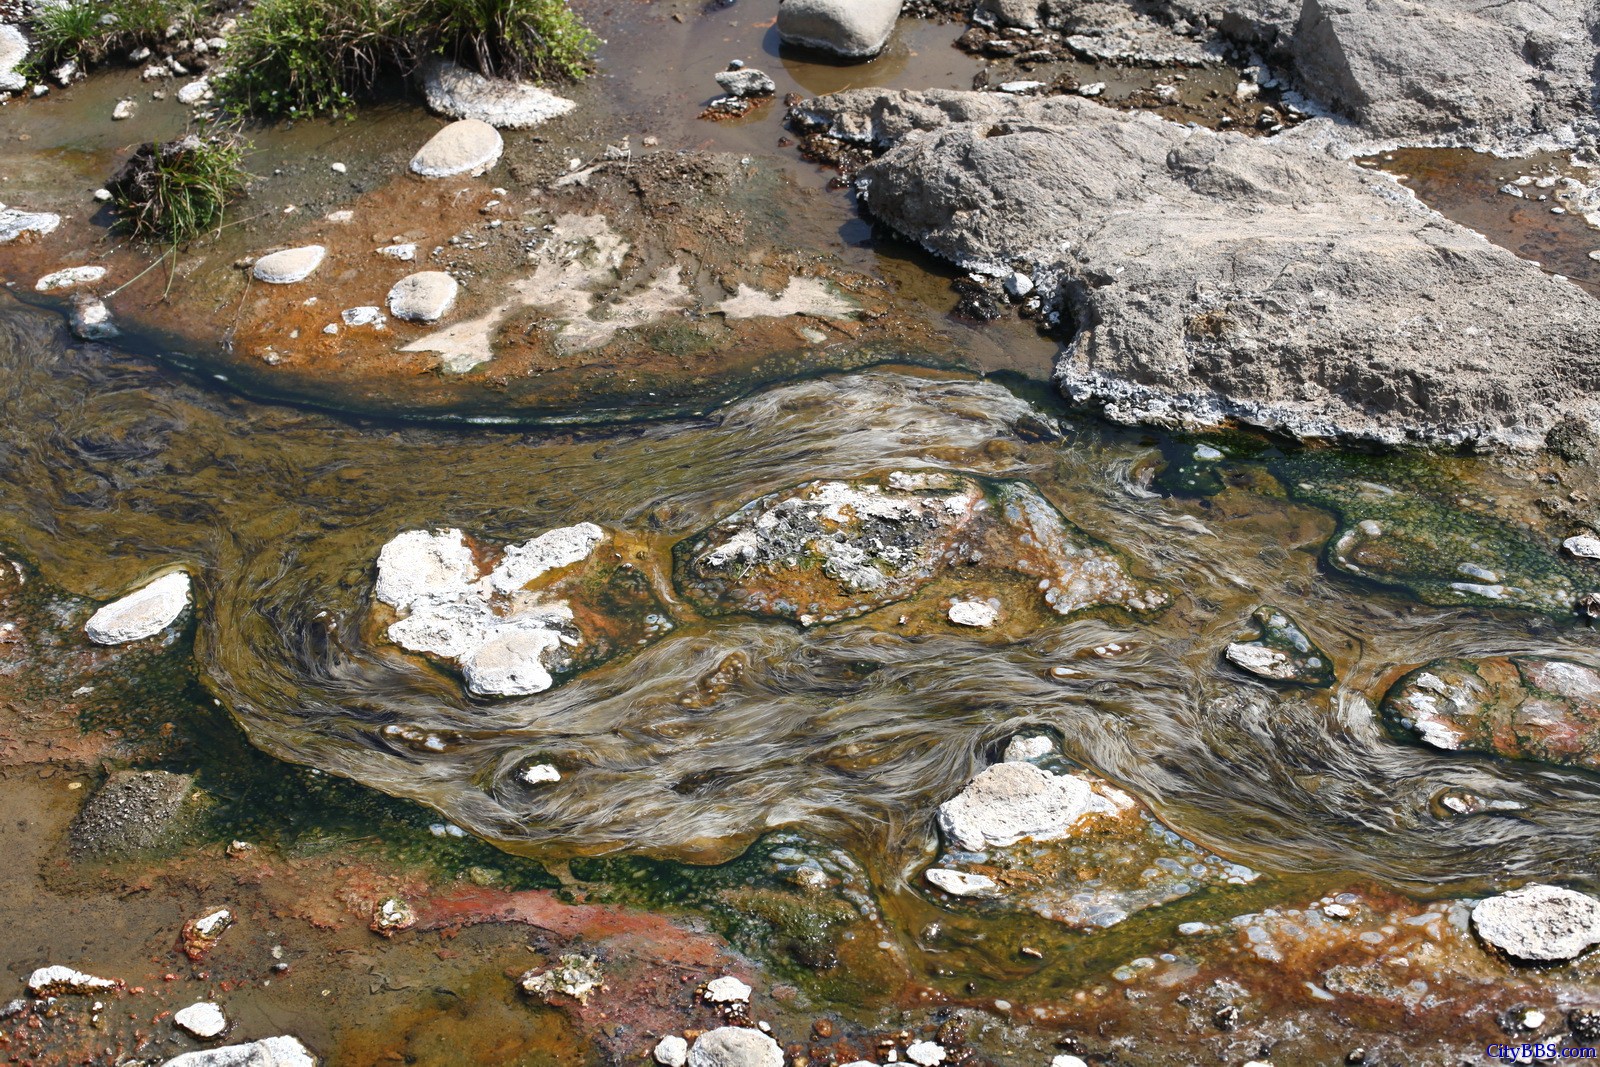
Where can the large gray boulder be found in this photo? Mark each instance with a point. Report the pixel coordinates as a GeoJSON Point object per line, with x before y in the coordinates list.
{"type": "Point", "coordinates": [1204, 277]}
{"type": "Point", "coordinates": [855, 29]}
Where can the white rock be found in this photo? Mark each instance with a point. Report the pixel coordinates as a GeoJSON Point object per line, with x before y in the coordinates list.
{"type": "Point", "coordinates": [195, 92]}
{"type": "Point", "coordinates": [960, 883]}
{"type": "Point", "coordinates": [1192, 929]}
{"type": "Point", "coordinates": [367, 315]}
{"type": "Point", "coordinates": [855, 29]}
{"type": "Point", "coordinates": [746, 82]}
{"type": "Point", "coordinates": [213, 924]}
{"type": "Point", "coordinates": [341, 216]}
{"type": "Point", "coordinates": [511, 663]}
{"type": "Point", "coordinates": [102, 195]}
{"type": "Point", "coordinates": [735, 1046]}
{"type": "Point", "coordinates": [289, 265]}
{"type": "Point", "coordinates": [142, 613]}
{"type": "Point", "coordinates": [1539, 922]}
{"type": "Point", "coordinates": [1207, 454]}
{"type": "Point", "coordinates": [459, 93]}
{"type": "Point", "coordinates": [551, 550]}
{"type": "Point", "coordinates": [14, 223]}
{"type": "Point", "coordinates": [1583, 546]}
{"type": "Point", "coordinates": [13, 53]}
{"type": "Point", "coordinates": [1021, 86]}
{"type": "Point", "coordinates": [404, 252]}
{"type": "Point", "coordinates": [979, 614]}
{"type": "Point", "coordinates": [727, 990]}
{"type": "Point", "coordinates": [338, 168]}
{"type": "Point", "coordinates": [58, 981]}
{"type": "Point", "coordinates": [1068, 1061]}
{"type": "Point", "coordinates": [1026, 749]}
{"type": "Point", "coordinates": [426, 296]}
{"type": "Point", "coordinates": [926, 1053]}
{"type": "Point", "coordinates": [672, 1051]}
{"type": "Point", "coordinates": [68, 278]}
{"type": "Point", "coordinates": [1092, 89]}
{"type": "Point", "coordinates": [203, 1020]}
{"type": "Point", "coordinates": [1262, 661]}
{"type": "Point", "coordinates": [468, 146]}
{"type": "Point", "coordinates": [91, 320]}
{"type": "Point", "coordinates": [1018, 284]}
{"type": "Point", "coordinates": [268, 1052]}
{"type": "Point", "coordinates": [420, 563]}
{"type": "Point", "coordinates": [1011, 801]}
{"type": "Point", "coordinates": [124, 110]}
{"type": "Point", "coordinates": [539, 773]}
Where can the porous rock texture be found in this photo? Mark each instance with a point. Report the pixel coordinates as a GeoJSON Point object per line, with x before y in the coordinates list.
{"type": "Point", "coordinates": [1207, 277]}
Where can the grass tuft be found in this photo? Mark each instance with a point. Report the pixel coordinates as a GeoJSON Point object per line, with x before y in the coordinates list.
{"type": "Point", "coordinates": [90, 30]}
{"type": "Point", "coordinates": [172, 193]}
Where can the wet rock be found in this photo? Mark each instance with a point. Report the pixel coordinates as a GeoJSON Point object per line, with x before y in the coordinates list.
{"type": "Point", "coordinates": [727, 990]}
{"type": "Point", "coordinates": [132, 811]}
{"type": "Point", "coordinates": [926, 1053]}
{"type": "Point", "coordinates": [1520, 707]}
{"type": "Point", "coordinates": [960, 883]}
{"type": "Point", "coordinates": [550, 605]}
{"type": "Point", "coordinates": [1539, 923]}
{"type": "Point", "coordinates": [200, 936]}
{"type": "Point", "coordinates": [196, 92]}
{"type": "Point", "coordinates": [855, 29]}
{"type": "Point", "coordinates": [1582, 546]}
{"type": "Point", "coordinates": [538, 774]}
{"type": "Point", "coordinates": [391, 916]}
{"type": "Point", "coordinates": [467, 146]}
{"type": "Point", "coordinates": [1011, 801]}
{"type": "Point", "coordinates": [268, 1052]}
{"type": "Point", "coordinates": [14, 223]}
{"type": "Point", "coordinates": [69, 278]}
{"type": "Point", "coordinates": [746, 82]}
{"type": "Point", "coordinates": [91, 320]}
{"type": "Point", "coordinates": [735, 1046]}
{"type": "Point", "coordinates": [366, 315]}
{"type": "Point", "coordinates": [458, 93]}
{"type": "Point", "coordinates": [58, 981]}
{"type": "Point", "coordinates": [289, 265]}
{"type": "Point", "coordinates": [574, 976]}
{"type": "Point", "coordinates": [123, 110]}
{"type": "Point", "coordinates": [426, 296]}
{"type": "Point", "coordinates": [1027, 749]}
{"type": "Point", "coordinates": [672, 1051]}
{"type": "Point", "coordinates": [142, 613]}
{"type": "Point", "coordinates": [13, 53]}
{"type": "Point", "coordinates": [979, 614]}
{"type": "Point", "coordinates": [829, 550]}
{"type": "Point", "coordinates": [203, 1020]}
{"type": "Point", "coordinates": [1282, 652]}
{"type": "Point", "coordinates": [1227, 322]}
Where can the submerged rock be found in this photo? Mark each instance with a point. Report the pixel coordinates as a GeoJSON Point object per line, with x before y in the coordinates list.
{"type": "Point", "coordinates": [735, 1046]}
{"type": "Point", "coordinates": [91, 320]}
{"type": "Point", "coordinates": [69, 278]}
{"type": "Point", "coordinates": [268, 1052]}
{"type": "Point", "coordinates": [855, 29]}
{"type": "Point", "coordinates": [1217, 276]}
{"type": "Point", "coordinates": [458, 93]}
{"type": "Point", "coordinates": [142, 613]}
{"type": "Point", "coordinates": [550, 605]}
{"type": "Point", "coordinates": [1520, 707]}
{"type": "Point", "coordinates": [132, 811]}
{"type": "Point", "coordinates": [1539, 923]}
{"type": "Point", "coordinates": [830, 550]}
{"type": "Point", "coordinates": [1282, 652]}
{"type": "Point", "coordinates": [574, 976]}
{"type": "Point", "coordinates": [467, 146]}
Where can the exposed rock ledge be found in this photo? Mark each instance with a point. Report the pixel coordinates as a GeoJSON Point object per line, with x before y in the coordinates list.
{"type": "Point", "coordinates": [1211, 277]}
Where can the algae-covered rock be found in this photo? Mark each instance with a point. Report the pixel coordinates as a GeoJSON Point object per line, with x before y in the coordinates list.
{"type": "Point", "coordinates": [829, 550]}
{"type": "Point", "coordinates": [515, 619]}
{"type": "Point", "coordinates": [1520, 707]}
{"type": "Point", "coordinates": [1282, 652]}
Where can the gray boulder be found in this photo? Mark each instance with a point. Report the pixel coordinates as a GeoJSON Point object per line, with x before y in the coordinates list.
{"type": "Point", "coordinates": [1540, 923]}
{"type": "Point", "coordinates": [746, 82]}
{"type": "Point", "coordinates": [1204, 277]}
{"type": "Point", "coordinates": [855, 29]}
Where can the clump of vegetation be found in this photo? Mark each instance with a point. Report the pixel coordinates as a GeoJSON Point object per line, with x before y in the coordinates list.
{"type": "Point", "coordinates": [173, 192]}
{"type": "Point", "coordinates": [294, 58]}
{"type": "Point", "coordinates": [88, 31]}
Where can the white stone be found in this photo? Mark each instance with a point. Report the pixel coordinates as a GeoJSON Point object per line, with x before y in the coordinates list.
{"type": "Point", "coordinates": [421, 563]}
{"type": "Point", "coordinates": [960, 883]}
{"type": "Point", "coordinates": [459, 93]}
{"type": "Point", "coordinates": [14, 223]}
{"type": "Point", "coordinates": [1583, 546]}
{"type": "Point", "coordinates": [289, 265]}
{"type": "Point", "coordinates": [68, 278]}
{"type": "Point", "coordinates": [1010, 801]}
{"type": "Point", "coordinates": [13, 52]}
{"type": "Point", "coordinates": [91, 320]}
{"type": "Point", "coordinates": [979, 614]}
{"type": "Point", "coordinates": [1539, 922]}
{"type": "Point", "coordinates": [511, 663]}
{"type": "Point", "coordinates": [366, 315]}
{"type": "Point", "coordinates": [1026, 749]}
{"type": "Point", "coordinates": [57, 980]}
{"type": "Point", "coordinates": [195, 92]}
{"type": "Point", "coordinates": [102, 195]}
{"type": "Point", "coordinates": [124, 110]}
{"type": "Point", "coordinates": [1092, 89]}
{"type": "Point", "coordinates": [423, 297]}
{"type": "Point", "coordinates": [672, 1051]}
{"type": "Point", "coordinates": [142, 613]}
{"type": "Point", "coordinates": [212, 924]}
{"type": "Point", "coordinates": [403, 252]}
{"type": "Point", "coordinates": [926, 1053]}
{"type": "Point", "coordinates": [746, 82]}
{"type": "Point", "coordinates": [735, 1046]}
{"type": "Point", "coordinates": [1207, 454]}
{"type": "Point", "coordinates": [551, 550]}
{"type": "Point", "coordinates": [203, 1020]}
{"type": "Point", "coordinates": [1262, 661]}
{"type": "Point", "coordinates": [1068, 1061]}
{"type": "Point", "coordinates": [268, 1052]}
{"type": "Point", "coordinates": [1018, 284]}
{"type": "Point", "coordinates": [338, 168]}
{"type": "Point", "coordinates": [341, 216]}
{"type": "Point", "coordinates": [468, 146]}
{"type": "Point", "coordinates": [1021, 86]}
{"type": "Point", "coordinates": [539, 773]}
{"type": "Point", "coordinates": [727, 990]}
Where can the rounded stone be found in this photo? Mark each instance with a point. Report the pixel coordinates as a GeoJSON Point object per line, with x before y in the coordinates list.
{"type": "Point", "coordinates": [68, 278]}
{"type": "Point", "coordinates": [856, 29]}
{"type": "Point", "coordinates": [469, 146]}
{"type": "Point", "coordinates": [142, 613]}
{"type": "Point", "coordinates": [1542, 923]}
{"type": "Point", "coordinates": [459, 93]}
{"type": "Point", "coordinates": [290, 265]}
{"type": "Point", "coordinates": [672, 1051]}
{"type": "Point", "coordinates": [423, 297]}
{"type": "Point", "coordinates": [735, 1046]}
{"type": "Point", "coordinates": [511, 664]}
{"type": "Point", "coordinates": [203, 1020]}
